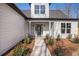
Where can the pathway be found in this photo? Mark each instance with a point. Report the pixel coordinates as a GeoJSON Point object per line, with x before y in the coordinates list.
{"type": "Point", "coordinates": [40, 48]}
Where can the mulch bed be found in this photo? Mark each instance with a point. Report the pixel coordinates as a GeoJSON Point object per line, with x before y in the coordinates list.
{"type": "Point", "coordinates": [68, 47]}
{"type": "Point", "coordinates": [28, 46]}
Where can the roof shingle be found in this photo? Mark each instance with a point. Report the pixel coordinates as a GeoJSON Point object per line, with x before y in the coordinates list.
{"type": "Point", "coordinates": [52, 14]}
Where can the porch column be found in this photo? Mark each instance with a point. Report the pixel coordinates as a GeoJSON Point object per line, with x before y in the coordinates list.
{"type": "Point", "coordinates": [50, 28]}
{"type": "Point", "coordinates": [29, 27]}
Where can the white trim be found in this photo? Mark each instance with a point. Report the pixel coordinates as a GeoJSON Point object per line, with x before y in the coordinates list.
{"type": "Point", "coordinates": [50, 28]}
{"type": "Point", "coordinates": [56, 28]}
{"type": "Point", "coordinates": [29, 27]}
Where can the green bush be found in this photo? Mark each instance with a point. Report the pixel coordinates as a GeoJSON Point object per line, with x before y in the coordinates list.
{"type": "Point", "coordinates": [76, 40]}
{"type": "Point", "coordinates": [69, 36]}
{"type": "Point", "coordinates": [59, 51]}
{"type": "Point", "coordinates": [58, 38]}
{"type": "Point", "coordinates": [50, 42]}
{"type": "Point", "coordinates": [19, 51]}
{"type": "Point", "coordinates": [27, 40]}
{"type": "Point", "coordinates": [31, 36]}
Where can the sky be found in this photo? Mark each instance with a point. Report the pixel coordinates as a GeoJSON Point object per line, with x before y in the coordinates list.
{"type": "Point", "coordinates": [55, 6]}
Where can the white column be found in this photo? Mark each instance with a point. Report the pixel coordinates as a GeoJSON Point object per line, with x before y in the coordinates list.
{"type": "Point", "coordinates": [29, 27]}
{"type": "Point", "coordinates": [49, 27]}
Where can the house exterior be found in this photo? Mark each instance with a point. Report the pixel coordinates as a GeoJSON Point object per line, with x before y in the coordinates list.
{"type": "Point", "coordinates": [12, 27]}
{"type": "Point", "coordinates": [42, 21]}
{"type": "Point", "coordinates": [39, 21]}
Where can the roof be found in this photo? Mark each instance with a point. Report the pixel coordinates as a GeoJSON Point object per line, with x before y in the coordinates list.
{"type": "Point", "coordinates": [57, 14]}
{"type": "Point", "coordinates": [27, 13]}
{"type": "Point", "coordinates": [52, 14]}
{"type": "Point", "coordinates": [13, 6]}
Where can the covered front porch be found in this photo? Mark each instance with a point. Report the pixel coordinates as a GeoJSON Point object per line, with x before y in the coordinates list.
{"type": "Point", "coordinates": [41, 28]}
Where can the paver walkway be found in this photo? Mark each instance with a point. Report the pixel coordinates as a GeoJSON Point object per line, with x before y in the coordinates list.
{"type": "Point", "coordinates": [40, 48]}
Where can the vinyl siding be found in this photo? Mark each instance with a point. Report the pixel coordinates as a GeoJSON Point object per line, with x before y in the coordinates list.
{"type": "Point", "coordinates": [12, 28]}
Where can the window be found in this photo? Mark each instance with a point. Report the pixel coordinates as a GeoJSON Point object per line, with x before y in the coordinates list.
{"type": "Point", "coordinates": [39, 9]}
{"type": "Point", "coordinates": [65, 28]}
{"type": "Point", "coordinates": [42, 9]}
{"type": "Point", "coordinates": [68, 27]}
{"type": "Point", "coordinates": [62, 27]}
{"type": "Point", "coordinates": [36, 9]}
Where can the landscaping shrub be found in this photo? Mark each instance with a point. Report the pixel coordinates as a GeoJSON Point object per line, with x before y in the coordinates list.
{"type": "Point", "coordinates": [25, 52]}
{"type": "Point", "coordinates": [69, 36]}
{"type": "Point", "coordinates": [20, 51]}
{"type": "Point", "coordinates": [31, 36]}
{"type": "Point", "coordinates": [59, 51]}
{"type": "Point", "coordinates": [76, 39]}
{"type": "Point", "coordinates": [27, 40]}
{"type": "Point", "coordinates": [50, 41]}
{"type": "Point", "coordinates": [58, 38]}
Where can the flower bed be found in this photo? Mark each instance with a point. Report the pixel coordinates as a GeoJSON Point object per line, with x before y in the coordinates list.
{"type": "Point", "coordinates": [23, 48]}
{"type": "Point", "coordinates": [49, 43]}
{"type": "Point", "coordinates": [62, 47]}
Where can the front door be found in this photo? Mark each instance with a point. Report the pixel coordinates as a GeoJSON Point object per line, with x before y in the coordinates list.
{"type": "Point", "coordinates": [38, 29]}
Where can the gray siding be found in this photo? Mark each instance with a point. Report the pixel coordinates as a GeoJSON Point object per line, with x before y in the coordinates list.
{"type": "Point", "coordinates": [12, 28]}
